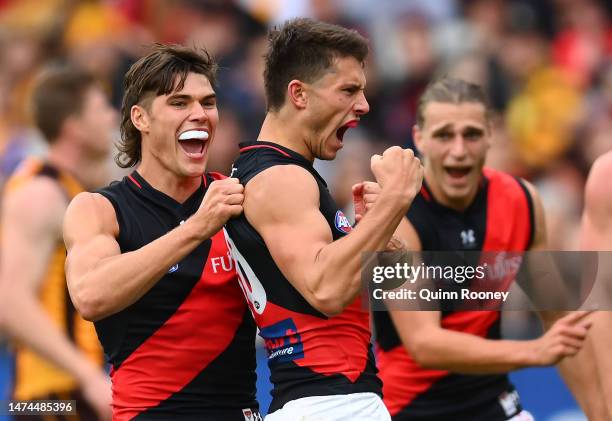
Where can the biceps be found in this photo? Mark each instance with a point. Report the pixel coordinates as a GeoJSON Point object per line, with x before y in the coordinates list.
{"type": "Point", "coordinates": [85, 256]}
{"type": "Point", "coordinates": [294, 245]}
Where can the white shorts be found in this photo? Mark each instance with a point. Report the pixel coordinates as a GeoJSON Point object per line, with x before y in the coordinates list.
{"type": "Point", "coordinates": [354, 407]}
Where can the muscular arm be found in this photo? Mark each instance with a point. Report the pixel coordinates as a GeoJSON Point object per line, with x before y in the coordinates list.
{"type": "Point", "coordinates": [31, 229]}
{"type": "Point", "coordinates": [434, 346]}
{"type": "Point", "coordinates": [325, 272]}
{"type": "Point", "coordinates": [597, 235]}
{"type": "Point", "coordinates": [101, 280]}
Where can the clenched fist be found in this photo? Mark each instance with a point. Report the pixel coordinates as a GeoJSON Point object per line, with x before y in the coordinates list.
{"type": "Point", "coordinates": [222, 201]}
{"type": "Point", "coordinates": [399, 174]}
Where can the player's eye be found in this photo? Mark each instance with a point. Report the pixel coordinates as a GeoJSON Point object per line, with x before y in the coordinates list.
{"type": "Point", "coordinates": [209, 103]}
{"type": "Point", "coordinates": [443, 135]}
{"type": "Point", "coordinates": [473, 135]}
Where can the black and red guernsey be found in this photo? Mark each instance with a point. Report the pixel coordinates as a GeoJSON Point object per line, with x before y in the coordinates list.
{"type": "Point", "coordinates": [309, 354]}
{"type": "Point", "coordinates": [499, 219]}
{"type": "Point", "coordinates": [185, 350]}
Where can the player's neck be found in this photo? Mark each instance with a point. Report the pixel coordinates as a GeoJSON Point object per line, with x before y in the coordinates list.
{"type": "Point", "coordinates": [166, 181]}
{"type": "Point", "coordinates": [286, 132]}
{"type": "Point", "coordinates": [92, 171]}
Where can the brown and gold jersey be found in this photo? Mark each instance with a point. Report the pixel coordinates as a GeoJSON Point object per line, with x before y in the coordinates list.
{"type": "Point", "coordinates": [35, 377]}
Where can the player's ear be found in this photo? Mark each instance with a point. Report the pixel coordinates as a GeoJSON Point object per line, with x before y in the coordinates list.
{"type": "Point", "coordinates": [417, 136]}
{"type": "Point", "coordinates": [69, 127]}
{"type": "Point", "coordinates": [297, 94]}
{"type": "Point", "coordinates": [140, 118]}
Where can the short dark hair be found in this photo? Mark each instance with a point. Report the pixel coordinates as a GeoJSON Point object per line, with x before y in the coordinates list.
{"type": "Point", "coordinates": [451, 90]}
{"type": "Point", "coordinates": [59, 93]}
{"type": "Point", "coordinates": [160, 72]}
{"type": "Point", "coordinates": [304, 49]}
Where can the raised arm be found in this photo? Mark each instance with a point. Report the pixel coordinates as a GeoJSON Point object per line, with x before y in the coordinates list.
{"type": "Point", "coordinates": [326, 272]}
{"type": "Point", "coordinates": [31, 229]}
{"type": "Point", "coordinates": [101, 280]}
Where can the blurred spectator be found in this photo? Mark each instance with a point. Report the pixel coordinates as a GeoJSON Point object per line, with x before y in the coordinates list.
{"type": "Point", "coordinates": [57, 355]}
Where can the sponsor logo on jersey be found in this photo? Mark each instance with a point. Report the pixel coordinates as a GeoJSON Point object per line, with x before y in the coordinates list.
{"type": "Point", "coordinates": [173, 269]}
{"type": "Point", "coordinates": [468, 238]}
{"type": "Point", "coordinates": [283, 342]}
{"type": "Point", "coordinates": [342, 223]}
{"type": "Point", "coordinates": [510, 402]}
{"type": "Point", "coordinates": [250, 415]}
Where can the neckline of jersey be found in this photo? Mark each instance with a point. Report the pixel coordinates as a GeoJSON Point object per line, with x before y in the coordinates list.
{"type": "Point", "coordinates": [141, 184]}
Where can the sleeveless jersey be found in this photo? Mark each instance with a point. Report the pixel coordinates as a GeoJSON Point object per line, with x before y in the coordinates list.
{"type": "Point", "coordinates": [185, 349]}
{"type": "Point", "coordinates": [35, 377]}
{"type": "Point", "coordinates": [309, 354]}
{"type": "Point", "coordinates": [499, 219]}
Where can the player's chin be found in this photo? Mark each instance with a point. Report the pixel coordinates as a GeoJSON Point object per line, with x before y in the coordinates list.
{"type": "Point", "coordinates": [457, 192]}
{"type": "Point", "coordinates": [328, 156]}
{"type": "Point", "coordinates": [194, 169]}
{"type": "Point", "coordinates": [330, 152]}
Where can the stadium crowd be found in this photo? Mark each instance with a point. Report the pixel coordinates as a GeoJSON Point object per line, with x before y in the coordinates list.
{"type": "Point", "coordinates": [546, 64]}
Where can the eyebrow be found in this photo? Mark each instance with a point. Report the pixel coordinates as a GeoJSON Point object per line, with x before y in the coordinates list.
{"type": "Point", "coordinates": [473, 130]}
{"type": "Point", "coordinates": [446, 128]}
{"type": "Point", "coordinates": [354, 85]}
{"type": "Point", "coordinates": [188, 97]}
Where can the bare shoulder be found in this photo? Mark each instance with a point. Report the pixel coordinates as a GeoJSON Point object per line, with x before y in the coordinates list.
{"type": "Point", "coordinates": [89, 214]}
{"type": "Point", "coordinates": [280, 189]}
{"type": "Point", "coordinates": [598, 192]}
{"type": "Point", "coordinates": [39, 202]}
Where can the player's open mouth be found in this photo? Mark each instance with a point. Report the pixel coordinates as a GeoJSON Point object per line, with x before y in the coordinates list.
{"type": "Point", "coordinates": [457, 172]}
{"type": "Point", "coordinates": [340, 132]}
{"type": "Point", "coordinates": [193, 141]}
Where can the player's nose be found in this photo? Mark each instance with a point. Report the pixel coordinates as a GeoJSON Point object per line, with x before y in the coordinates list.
{"type": "Point", "coordinates": [362, 106]}
{"type": "Point", "coordinates": [458, 148]}
{"type": "Point", "coordinates": [198, 112]}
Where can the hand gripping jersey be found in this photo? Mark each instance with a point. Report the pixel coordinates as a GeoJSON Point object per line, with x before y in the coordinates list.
{"type": "Point", "coordinates": [499, 219]}
{"type": "Point", "coordinates": [185, 350]}
{"type": "Point", "coordinates": [309, 354]}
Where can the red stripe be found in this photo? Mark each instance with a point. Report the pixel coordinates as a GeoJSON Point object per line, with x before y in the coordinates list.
{"type": "Point", "coordinates": [265, 146]}
{"type": "Point", "coordinates": [214, 175]}
{"type": "Point", "coordinates": [404, 380]}
{"type": "Point", "coordinates": [425, 193]}
{"type": "Point", "coordinates": [217, 175]}
{"type": "Point", "coordinates": [346, 335]}
{"type": "Point", "coordinates": [134, 181]}
{"type": "Point", "coordinates": [507, 203]}
{"type": "Point", "coordinates": [200, 330]}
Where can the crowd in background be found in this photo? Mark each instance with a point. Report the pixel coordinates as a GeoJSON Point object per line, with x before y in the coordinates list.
{"type": "Point", "coordinates": [546, 64]}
